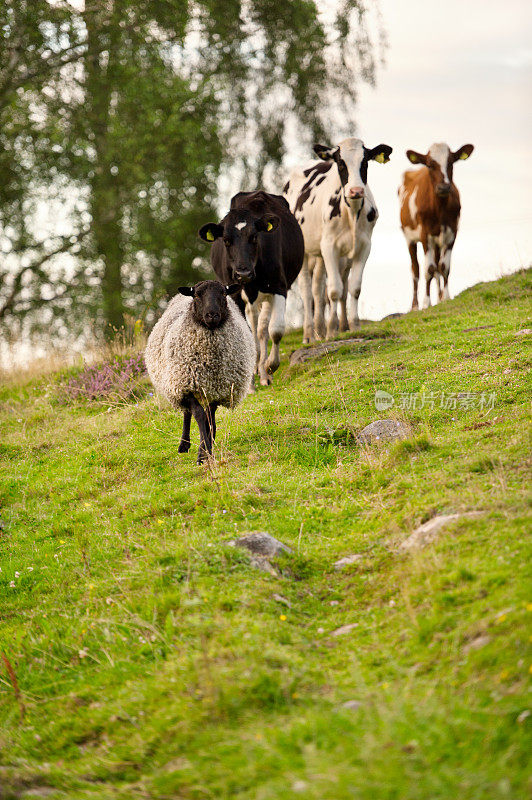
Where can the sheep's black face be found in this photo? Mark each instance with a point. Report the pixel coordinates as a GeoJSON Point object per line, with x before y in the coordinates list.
{"type": "Point", "coordinates": [240, 231]}
{"type": "Point", "coordinates": [209, 303]}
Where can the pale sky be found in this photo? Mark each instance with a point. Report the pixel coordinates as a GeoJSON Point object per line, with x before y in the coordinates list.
{"type": "Point", "coordinates": [456, 71]}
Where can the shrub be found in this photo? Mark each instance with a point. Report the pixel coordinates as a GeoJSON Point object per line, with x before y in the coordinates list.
{"type": "Point", "coordinates": [118, 380]}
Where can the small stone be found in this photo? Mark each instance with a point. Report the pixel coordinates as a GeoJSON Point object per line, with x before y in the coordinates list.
{"type": "Point", "coordinates": [352, 704]}
{"type": "Point", "coordinates": [280, 599]}
{"type": "Point", "coordinates": [334, 603]}
{"type": "Point", "coordinates": [344, 629]}
{"type": "Point", "coordinates": [427, 533]}
{"type": "Point", "coordinates": [523, 332]}
{"type": "Point", "coordinates": [476, 643]}
{"type": "Point", "coordinates": [299, 786]}
{"type": "Point", "coordinates": [347, 560]}
{"type": "Point", "coordinates": [523, 715]}
{"type": "Point", "coordinates": [386, 430]}
{"type": "Point", "coordinates": [261, 543]}
{"type": "Point", "coordinates": [321, 630]}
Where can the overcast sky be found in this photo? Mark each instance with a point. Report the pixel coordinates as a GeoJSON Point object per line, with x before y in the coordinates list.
{"type": "Point", "coordinates": [456, 71]}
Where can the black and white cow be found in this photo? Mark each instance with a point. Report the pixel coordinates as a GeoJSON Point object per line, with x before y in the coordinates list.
{"type": "Point", "coordinates": [337, 213]}
{"type": "Point", "coordinates": [258, 245]}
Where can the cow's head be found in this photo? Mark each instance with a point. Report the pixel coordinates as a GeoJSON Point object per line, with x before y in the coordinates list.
{"type": "Point", "coordinates": [241, 232]}
{"type": "Point", "coordinates": [440, 160]}
{"type": "Point", "coordinates": [209, 302]}
{"type": "Point", "coordinates": [352, 157]}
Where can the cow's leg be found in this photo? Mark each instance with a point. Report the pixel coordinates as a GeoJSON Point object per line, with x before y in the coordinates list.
{"type": "Point", "coordinates": [334, 284]}
{"type": "Point", "coordinates": [184, 444]}
{"type": "Point", "coordinates": [318, 296]}
{"type": "Point", "coordinates": [305, 287]}
{"type": "Point", "coordinates": [276, 331]}
{"type": "Point", "coordinates": [445, 262]}
{"type": "Point", "coordinates": [252, 316]}
{"type": "Point", "coordinates": [412, 249]}
{"type": "Point", "coordinates": [344, 272]}
{"type": "Point", "coordinates": [262, 332]}
{"type": "Point", "coordinates": [437, 271]}
{"type": "Point", "coordinates": [362, 250]}
{"type": "Point", "coordinates": [430, 270]}
{"type": "Point", "coordinates": [445, 268]}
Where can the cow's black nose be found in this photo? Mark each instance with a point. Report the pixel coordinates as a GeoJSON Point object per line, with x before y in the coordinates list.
{"type": "Point", "coordinates": [243, 276]}
{"type": "Point", "coordinates": [443, 189]}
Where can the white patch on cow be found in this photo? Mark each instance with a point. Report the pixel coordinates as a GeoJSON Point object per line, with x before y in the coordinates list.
{"type": "Point", "coordinates": [412, 204]}
{"type": "Point", "coordinates": [352, 153]}
{"type": "Point", "coordinates": [440, 152]}
{"type": "Point", "coordinates": [240, 225]}
{"type": "Point", "coordinates": [412, 234]}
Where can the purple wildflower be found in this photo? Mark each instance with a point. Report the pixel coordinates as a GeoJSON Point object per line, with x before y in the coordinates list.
{"type": "Point", "coordinates": [117, 379]}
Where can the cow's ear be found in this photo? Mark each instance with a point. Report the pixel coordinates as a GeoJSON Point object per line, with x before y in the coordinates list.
{"type": "Point", "coordinates": [233, 288]}
{"type": "Point", "coordinates": [381, 153]}
{"type": "Point", "coordinates": [463, 152]}
{"type": "Point", "coordinates": [210, 232]}
{"type": "Point", "coordinates": [416, 158]}
{"type": "Point", "coordinates": [324, 152]}
{"type": "Point", "coordinates": [267, 223]}
{"type": "Point", "coordinates": [188, 291]}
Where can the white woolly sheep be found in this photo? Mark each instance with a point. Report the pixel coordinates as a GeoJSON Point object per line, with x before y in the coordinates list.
{"type": "Point", "coordinates": [200, 355]}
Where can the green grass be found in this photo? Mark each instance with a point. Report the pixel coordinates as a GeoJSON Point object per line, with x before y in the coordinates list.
{"type": "Point", "coordinates": [153, 661]}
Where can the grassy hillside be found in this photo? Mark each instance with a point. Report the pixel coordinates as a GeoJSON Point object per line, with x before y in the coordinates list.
{"type": "Point", "coordinates": [144, 658]}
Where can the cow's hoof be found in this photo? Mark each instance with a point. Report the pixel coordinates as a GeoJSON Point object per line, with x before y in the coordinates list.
{"type": "Point", "coordinates": [183, 448]}
{"type": "Point", "coordinates": [272, 366]}
{"type": "Point", "coordinates": [354, 325]}
{"type": "Point", "coordinates": [265, 380]}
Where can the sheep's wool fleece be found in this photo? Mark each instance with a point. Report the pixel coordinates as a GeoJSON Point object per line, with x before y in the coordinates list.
{"type": "Point", "coordinates": [182, 357]}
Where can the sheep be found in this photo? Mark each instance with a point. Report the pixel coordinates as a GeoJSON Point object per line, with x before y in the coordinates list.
{"type": "Point", "coordinates": [200, 355]}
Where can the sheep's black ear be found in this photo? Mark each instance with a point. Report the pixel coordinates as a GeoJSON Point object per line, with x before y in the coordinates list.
{"type": "Point", "coordinates": [210, 232]}
{"type": "Point", "coordinates": [188, 291]}
{"type": "Point", "coordinates": [233, 288]}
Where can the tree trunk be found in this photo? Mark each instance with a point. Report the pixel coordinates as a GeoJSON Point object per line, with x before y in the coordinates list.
{"type": "Point", "coordinates": [103, 32]}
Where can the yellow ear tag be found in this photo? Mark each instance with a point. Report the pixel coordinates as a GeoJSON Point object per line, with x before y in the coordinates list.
{"type": "Point", "coordinates": [269, 226]}
{"type": "Point", "coordinates": [381, 158]}
{"type": "Point", "coordinates": [464, 156]}
{"type": "Point", "coordinates": [413, 159]}
{"type": "Point", "coordinates": [209, 236]}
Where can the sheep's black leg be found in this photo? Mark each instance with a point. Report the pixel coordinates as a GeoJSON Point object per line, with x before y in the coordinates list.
{"type": "Point", "coordinates": [211, 412]}
{"type": "Point", "coordinates": [184, 444]}
{"type": "Point", "coordinates": [200, 415]}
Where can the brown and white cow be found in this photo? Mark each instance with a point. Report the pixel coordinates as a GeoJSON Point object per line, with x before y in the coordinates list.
{"type": "Point", "coordinates": [430, 211]}
{"type": "Point", "coordinates": [337, 213]}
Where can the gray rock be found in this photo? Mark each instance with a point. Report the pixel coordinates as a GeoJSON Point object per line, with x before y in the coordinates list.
{"type": "Point", "coordinates": [347, 560]}
{"type": "Point", "coordinates": [476, 644]}
{"type": "Point", "coordinates": [523, 332]}
{"type": "Point", "coordinates": [383, 430]}
{"type": "Point", "coordinates": [261, 543]}
{"type": "Point", "coordinates": [344, 629]}
{"type": "Point", "coordinates": [303, 354]}
{"type": "Point", "coordinates": [352, 704]}
{"type": "Point", "coordinates": [428, 532]}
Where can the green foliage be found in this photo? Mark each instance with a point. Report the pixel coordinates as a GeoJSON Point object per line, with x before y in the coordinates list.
{"type": "Point", "coordinates": [155, 661]}
{"type": "Point", "coordinates": [122, 116]}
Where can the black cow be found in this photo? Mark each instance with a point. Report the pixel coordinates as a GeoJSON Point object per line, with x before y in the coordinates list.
{"type": "Point", "coordinates": [259, 245]}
